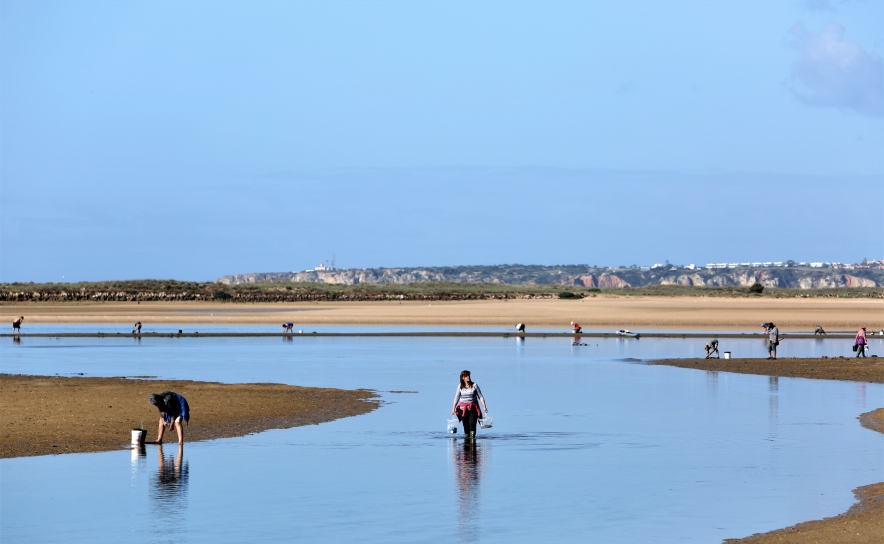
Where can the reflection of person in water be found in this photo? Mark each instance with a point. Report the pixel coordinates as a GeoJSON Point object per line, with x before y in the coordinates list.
{"type": "Point", "coordinates": [174, 411]}
{"type": "Point", "coordinates": [171, 471]}
{"type": "Point", "coordinates": [468, 459]}
{"type": "Point", "coordinates": [170, 487]}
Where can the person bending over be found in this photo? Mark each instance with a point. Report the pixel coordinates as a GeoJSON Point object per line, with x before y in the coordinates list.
{"type": "Point", "coordinates": [287, 327]}
{"type": "Point", "coordinates": [819, 330]}
{"type": "Point", "coordinates": [712, 347]}
{"type": "Point", "coordinates": [466, 404]}
{"type": "Point", "coordinates": [174, 410]}
{"type": "Point", "coordinates": [16, 325]}
{"type": "Point", "coordinates": [576, 328]}
{"type": "Point", "coordinates": [520, 327]}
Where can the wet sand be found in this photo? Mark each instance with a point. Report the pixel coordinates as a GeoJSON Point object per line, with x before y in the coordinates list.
{"type": "Point", "coordinates": [50, 415]}
{"type": "Point", "coordinates": [602, 311]}
{"type": "Point", "coordinates": [863, 369]}
{"type": "Point", "coordinates": [864, 522]}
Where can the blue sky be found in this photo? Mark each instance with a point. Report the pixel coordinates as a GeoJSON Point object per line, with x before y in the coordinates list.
{"type": "Point", "coordinates": [192, 140]}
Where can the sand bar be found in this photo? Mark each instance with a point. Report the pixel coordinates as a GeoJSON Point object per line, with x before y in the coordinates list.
{"type": "Point", "coordinates": [602, 311]}
{"type": "Point", "coordinates": [862, 369]}
{"type": "Point", "coordinates": [50, 415]}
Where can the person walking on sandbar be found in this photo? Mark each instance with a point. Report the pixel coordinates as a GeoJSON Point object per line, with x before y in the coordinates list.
{"type": "Point", "coordinates": [16, 325]}
{"type": "Point", "coordinates": [773, 339]}
{"type": "Point", "coordinates": [859, 345]}
{"type": "Point", "coordinates": [173, 411]}
{"type": "Point", "coordinates": [712, 347]}
{"type": "Point", "coordinates": [466, 404]}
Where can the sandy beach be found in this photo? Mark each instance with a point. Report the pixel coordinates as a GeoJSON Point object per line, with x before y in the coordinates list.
{"type": "Point", "coordinates": [603, 311]}
{"type": "Point", "coordinates": [51, 415]}
{"type": "Point", "coordinates": [864, 369]}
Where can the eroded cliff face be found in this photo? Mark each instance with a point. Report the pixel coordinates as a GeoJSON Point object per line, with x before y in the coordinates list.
{"type": "Point", "coordinates": [580, 276]}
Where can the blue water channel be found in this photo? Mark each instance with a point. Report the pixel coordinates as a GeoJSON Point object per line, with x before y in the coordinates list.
{"type": "Point", "coordinates": [589, 444]}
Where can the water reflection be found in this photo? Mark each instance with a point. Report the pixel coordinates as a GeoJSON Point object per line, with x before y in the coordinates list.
{"type": "Point", "coordinates": [469, 465]}
{"type": "Point", "coordinates": [712, 383]}
{"type": "Point", "coordinates": [168, 493]}
{"type": "Point", "coordinates": [773, 387]}
{"type": "Point", "coordinates": [16, 340]}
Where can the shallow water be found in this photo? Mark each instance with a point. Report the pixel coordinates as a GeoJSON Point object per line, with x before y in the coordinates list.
{"type": "Point", "coordinates": [588, 443]}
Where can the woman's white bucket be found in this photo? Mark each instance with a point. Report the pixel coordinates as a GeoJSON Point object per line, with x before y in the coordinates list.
{"type": "Point", "coordinates": [486, 422]}
{"type": "Point", "coordinates": [452, 425]}
{"type": "Point", "coordinates": [727, 355]}
{"type": "Point", "coordinates": [138, 436]}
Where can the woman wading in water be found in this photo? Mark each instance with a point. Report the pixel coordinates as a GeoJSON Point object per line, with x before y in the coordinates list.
{"type": "Point", "coordinates": [466, 404]}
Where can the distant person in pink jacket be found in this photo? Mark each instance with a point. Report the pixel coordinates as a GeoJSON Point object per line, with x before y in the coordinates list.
{"type": "Point", "coordinates": [860, 342]}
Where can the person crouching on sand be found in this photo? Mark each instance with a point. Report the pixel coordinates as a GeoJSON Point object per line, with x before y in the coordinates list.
{"type": "Point", "coordinates": [466, 405]}
{"type": "Point", "coordinates": [712, 347]}
{"type": "Point", "coordinates": [287, 327]}
{"type": "Point", "coordinates": [860, 342]}
{"type": "Point", "coordinates": [173, 411]}
{"type": "Point", "coordinates": [576, 328]}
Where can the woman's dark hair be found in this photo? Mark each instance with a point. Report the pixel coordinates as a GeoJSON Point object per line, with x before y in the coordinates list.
{"type": "Point", "coordinates": [465, 373]}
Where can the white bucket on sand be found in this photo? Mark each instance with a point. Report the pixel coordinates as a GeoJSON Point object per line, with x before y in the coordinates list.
{"type": "Point", "coordinates": [727, 355]}
{"type": "Point", "coordinates": [138, 436]}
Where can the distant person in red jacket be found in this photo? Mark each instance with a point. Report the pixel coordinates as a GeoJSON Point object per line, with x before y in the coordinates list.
{"type": "Point", "coordinates": [575, 327]}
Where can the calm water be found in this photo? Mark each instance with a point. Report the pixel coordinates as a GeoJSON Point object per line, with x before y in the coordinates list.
{"type": "Point", "coordinates": [588, 444]}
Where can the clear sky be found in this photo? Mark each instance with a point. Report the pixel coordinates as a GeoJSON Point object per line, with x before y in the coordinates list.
{"type": "Point", "coordinates": [193, 139]}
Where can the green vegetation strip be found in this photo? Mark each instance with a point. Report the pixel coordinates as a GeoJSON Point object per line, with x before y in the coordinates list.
{"type": "Point", "coordinates": [294, 291]}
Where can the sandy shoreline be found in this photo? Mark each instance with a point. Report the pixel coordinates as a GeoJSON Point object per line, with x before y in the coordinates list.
{"type": "Point", "coordinates": [863, 369]}
{"type": "Point", "coordinates": [603, 311]}
{"type": "Point", "coordinates": [48, 415]}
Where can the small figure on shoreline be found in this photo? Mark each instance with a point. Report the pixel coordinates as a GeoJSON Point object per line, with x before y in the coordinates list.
{"type": "Point", "coordinates": [287, 327]}
{"type": "Point", "coordinates": [576, 328]}
{"type": "Point", "coordinates": [520, 327]}
{"type": "Point", "coordinates": [773, 339]}
{"type": "Point", "coordinates": [16, 325]}
{"type": "Point", "coordinates": [819, 330]}
{"type": "Point", "coordinates": [136, 328]}
{"type": "Point", "coordinates": [859, 344]}
{"type": "Point", "coordinates": [173, 410]}
{"type": "Point", "coordinates": [466, 405]}
{"type": "Point", "coordinates": [712, 347]}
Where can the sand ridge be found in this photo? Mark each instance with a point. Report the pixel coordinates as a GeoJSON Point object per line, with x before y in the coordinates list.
{"type": "Point", "coordinates": [50, 415]}
{"type": "Point", "coordinates": [602, 311]}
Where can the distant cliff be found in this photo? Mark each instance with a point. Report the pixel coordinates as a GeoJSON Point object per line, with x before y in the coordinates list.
{"type": "Point", "coordinates": [583, 276]}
